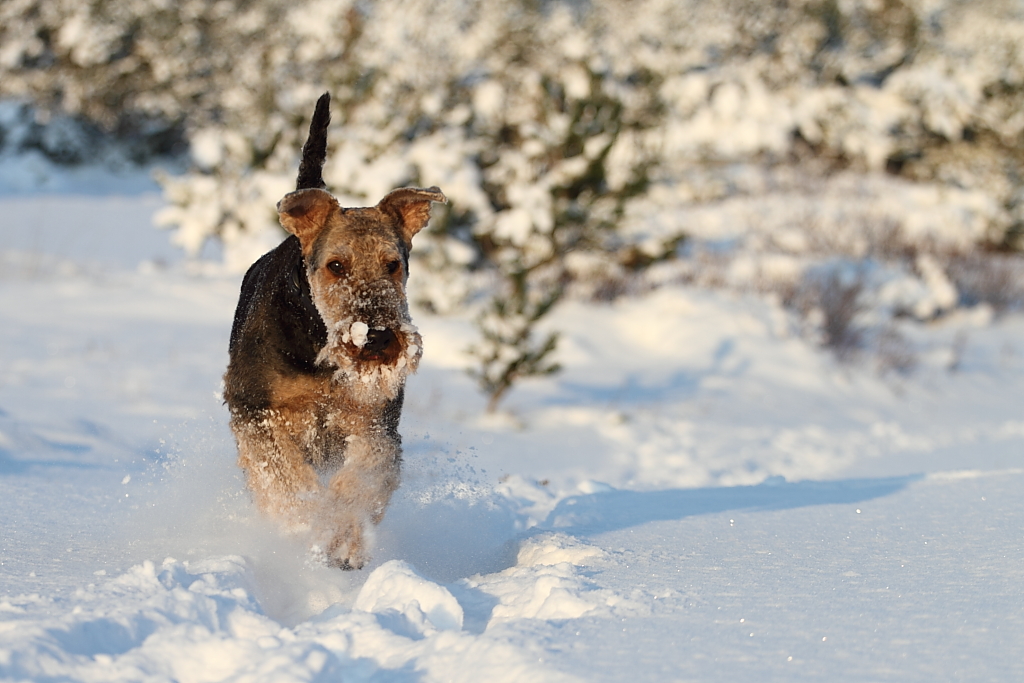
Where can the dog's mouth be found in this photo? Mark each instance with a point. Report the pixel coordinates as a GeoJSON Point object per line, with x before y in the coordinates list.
{"type": "Point", "coordinates": [379, 345]}
{"type": "Point", "coordinates": [374, 360]}
{"type": "Point", "coordinates": [372, 344]}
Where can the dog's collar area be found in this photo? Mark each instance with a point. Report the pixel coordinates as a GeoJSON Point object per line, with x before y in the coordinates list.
{"type": "Point", "coordinates": [404, 251]}
{"type": "Point", "coordinates": [295, 284]}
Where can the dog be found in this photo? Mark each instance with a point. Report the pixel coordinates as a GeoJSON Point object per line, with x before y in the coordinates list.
{"type": "Point", "coordinates": [320, 348]}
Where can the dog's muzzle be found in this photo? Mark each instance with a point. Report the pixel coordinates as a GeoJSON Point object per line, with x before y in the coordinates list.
{"type": "Point", "coordinates": [378, 342]}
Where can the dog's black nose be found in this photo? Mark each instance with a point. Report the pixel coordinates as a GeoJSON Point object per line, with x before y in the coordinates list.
{"type": "Point", "coordinates": [378, 340]}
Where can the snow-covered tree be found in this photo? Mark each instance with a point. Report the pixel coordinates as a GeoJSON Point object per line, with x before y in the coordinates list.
{"type": "Point", "coordinates": [732, 142]}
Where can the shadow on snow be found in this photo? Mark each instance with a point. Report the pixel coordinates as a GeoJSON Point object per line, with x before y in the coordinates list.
{"type": "Point", "coordinates": [612, 510]}
{"type": "Point", "coordinates": [448, 539]}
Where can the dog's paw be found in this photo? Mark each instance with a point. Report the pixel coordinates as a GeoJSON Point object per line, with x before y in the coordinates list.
{"type": "Point", "coordinates": [346, 553]}
{"type": "Point", "coordinates": [318, 557]}
{"type": "Point", "coordinates": [345, 564]}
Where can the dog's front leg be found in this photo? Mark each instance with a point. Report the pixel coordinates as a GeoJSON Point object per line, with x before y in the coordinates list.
{"type": "Point", "coordinates": [358, 495]}
{"type": "Point", "coordinates": [270, 453]}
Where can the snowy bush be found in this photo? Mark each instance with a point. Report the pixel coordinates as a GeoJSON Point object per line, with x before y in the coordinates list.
{"type": "Point", "coordinates": [585, 147]}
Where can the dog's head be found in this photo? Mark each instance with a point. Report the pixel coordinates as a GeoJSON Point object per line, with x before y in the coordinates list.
{"type": "Point", "coordinates": [357, 264]}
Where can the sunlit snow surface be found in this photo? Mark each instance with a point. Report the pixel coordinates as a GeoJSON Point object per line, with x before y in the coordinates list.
{"type": "Point", "coordinates": [700, 495]}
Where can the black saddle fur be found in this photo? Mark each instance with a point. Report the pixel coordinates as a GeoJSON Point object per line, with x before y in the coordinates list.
{"type": "Point", "coordinates": [276, 326]}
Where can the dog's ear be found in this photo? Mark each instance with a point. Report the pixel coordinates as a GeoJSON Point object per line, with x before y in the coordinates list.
{"type": "Point", "coordinates": [305, 212]}
{"type": "Point", "coordinates": [411, 206]}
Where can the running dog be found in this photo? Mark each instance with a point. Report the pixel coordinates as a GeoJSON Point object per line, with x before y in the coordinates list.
{"type": "Point", "coordinates": [320, 348]}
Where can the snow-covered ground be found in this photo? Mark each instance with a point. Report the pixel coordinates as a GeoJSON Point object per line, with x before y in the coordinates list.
{"type": "Point", "coordinates": [702, 494]}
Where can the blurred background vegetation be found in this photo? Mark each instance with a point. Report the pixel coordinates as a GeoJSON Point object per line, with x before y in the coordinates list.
{"type": "Point", "coordinates": [859, 159]}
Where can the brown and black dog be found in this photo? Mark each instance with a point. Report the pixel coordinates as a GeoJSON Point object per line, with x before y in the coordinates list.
{"type": "Point", "coordinates": [320, 348]}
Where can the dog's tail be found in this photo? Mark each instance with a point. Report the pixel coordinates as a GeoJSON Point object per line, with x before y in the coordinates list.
{"type": "Point", "coordinates": [314, 152]}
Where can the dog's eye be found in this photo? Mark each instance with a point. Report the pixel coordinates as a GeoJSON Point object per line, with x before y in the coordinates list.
{"type": "Point", "coordinates": [393, 267]}
{"type": "Point", "coordinates": [336, 267]}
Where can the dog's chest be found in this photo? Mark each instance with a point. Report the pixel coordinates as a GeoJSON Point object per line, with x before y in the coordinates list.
{"type": "Point", "coordinates": [328, 410]}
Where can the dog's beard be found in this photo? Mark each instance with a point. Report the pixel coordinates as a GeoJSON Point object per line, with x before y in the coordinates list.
{"type": "Point", "coordinates": [371, 380]}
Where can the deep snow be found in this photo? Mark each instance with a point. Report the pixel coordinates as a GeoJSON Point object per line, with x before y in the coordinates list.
{"type": "Point", "coordinates": [702, 494]}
